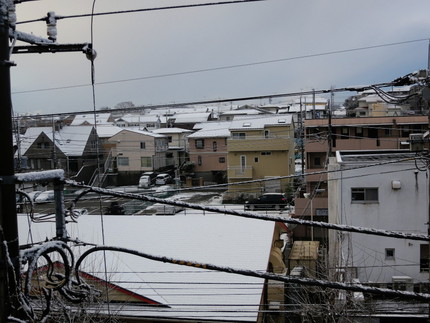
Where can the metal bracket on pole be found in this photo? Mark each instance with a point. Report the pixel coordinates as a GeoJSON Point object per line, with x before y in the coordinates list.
{"type": "Point", "coordinates": [50, 48]}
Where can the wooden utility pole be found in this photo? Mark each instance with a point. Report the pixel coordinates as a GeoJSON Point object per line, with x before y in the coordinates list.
{"type": "Point", "coordinates": [9, 247]}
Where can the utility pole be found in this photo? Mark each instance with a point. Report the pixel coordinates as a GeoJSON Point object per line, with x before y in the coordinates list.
{"type": "Point", "coordinates": [9, 275]}
{"type": "Point", "coordinates": [10, 305]}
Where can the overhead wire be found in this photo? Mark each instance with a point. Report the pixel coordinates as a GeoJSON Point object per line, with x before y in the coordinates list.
{"type": "Point", "coordinates": [237, 66]}
{"type": "Point", "coordinates": [140, 10]}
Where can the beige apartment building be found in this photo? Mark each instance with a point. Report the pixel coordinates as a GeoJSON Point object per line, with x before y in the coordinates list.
{"type": "Point", "coordinates": [137, 151]}
{"type": "Point", "coordinates": [260, 149]}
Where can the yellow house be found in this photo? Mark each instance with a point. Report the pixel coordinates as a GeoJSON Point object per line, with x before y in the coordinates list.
{"type": "Point", "coordinates": [260, 148]}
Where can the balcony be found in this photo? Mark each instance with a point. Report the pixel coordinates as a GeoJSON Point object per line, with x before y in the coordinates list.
{"type": "Point", "coordinates": [239, 172]}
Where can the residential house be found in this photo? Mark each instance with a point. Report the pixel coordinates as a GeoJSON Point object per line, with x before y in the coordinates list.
{"type": "Point", "coordinates": [385, 190]}
{"type": "Point", "coordinates": [308, 107]}
{"type": "Point", "coordinates": [177, 153]}
{"type": "Point", "coordinates": [182, 117]}
{"type": "Point", "coordinates": [370, 103]}
{"type": "Point", "coordinates": [137, 151]}
{"type": "Point", "coordinates": [208, 151]}
{"type": "Point", "coordinates": [260, 148]}
{"type": "Point", "coordinates": [139, 121]}
{"type": "Point", "coordinates": [346, 134]}
{"type": "Point", "coordinates": [75, 147]}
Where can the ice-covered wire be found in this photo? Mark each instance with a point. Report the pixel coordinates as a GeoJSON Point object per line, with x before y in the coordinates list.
{"type": "Point", "coordinates": [251, 273]}
{"type": "Point", "coordinates": [325, 225]}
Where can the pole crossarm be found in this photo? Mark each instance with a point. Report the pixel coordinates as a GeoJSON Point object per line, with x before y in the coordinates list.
{"type": "Point", "coordinates": [50, 48]}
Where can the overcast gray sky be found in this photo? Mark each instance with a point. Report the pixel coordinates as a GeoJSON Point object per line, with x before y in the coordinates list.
{"type": "Point", "coordinates": [146, 45]}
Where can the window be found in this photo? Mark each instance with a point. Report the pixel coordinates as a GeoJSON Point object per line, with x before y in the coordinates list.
{"type": "Point", "coordinates": [199, 160]}
{"type": "Point", "coordinates": [266, 134]}
{"type": "Point", "coordinates": [359, 131]}
{"type": "Point", "coordinates": [344, 132]}
{"type": "Point", "coordinates": [389, 253]}
{"type": "Point", "coordinates": [146, 162]}
{"type": "Point", "coordinates": [142, 145]}
{"type": "Point", "coordinates": [122, 161]}
{"type": "Point", "coordinates": [317, 161]}
{"type": "Point", "coordinates": [369, 195]}
{"type": "Point", "coordinates": [221, 160]}
{"type": "Point", "coordinates": [424, 257]}
{"type": "Point", "coordinates": [169, 138]}
{"type": "Point", "coordinates": [43, 145]}
{"type": "Point", "coordinates": [266, 153]}
{"type": "Point", "coordinates": [214, 146]}
{"type": "Point", "coordinates": [200, 143]}
{"type": "Point", "coordinates": [239, 135]}
{"type": "Point", "coordinates": [242, 163]}
{"type": "Point", "coordinates": [255, 159]}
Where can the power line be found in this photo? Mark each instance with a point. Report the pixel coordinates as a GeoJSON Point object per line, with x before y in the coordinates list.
{"type": "Point", "coordinates": [324, 225]}
{"type": "Point", "coordinates": [140, 10]}
{"type": "Point", "coordinates": [251, 273]}
{"type": "Point", "coordinates": [231, 67]}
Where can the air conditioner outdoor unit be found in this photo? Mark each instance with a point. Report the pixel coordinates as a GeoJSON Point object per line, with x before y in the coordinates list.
{"type": "Point", "coordinates": [404, 283]}
{"type": "Point", "coordinates": [416, 142]}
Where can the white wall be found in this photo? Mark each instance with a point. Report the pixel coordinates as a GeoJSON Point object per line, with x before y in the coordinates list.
{"type": "Point", "coordinates": [404, 210]}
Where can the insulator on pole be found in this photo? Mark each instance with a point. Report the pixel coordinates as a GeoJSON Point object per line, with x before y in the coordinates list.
{"type": "Point", "coordinates": [51, 23]}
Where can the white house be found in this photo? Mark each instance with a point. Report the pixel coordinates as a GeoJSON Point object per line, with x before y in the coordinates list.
{"type": "Point", "coordinates": [384, 190]}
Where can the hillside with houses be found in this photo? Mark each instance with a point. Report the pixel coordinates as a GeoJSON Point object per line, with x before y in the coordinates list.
{"type": "Point", "coordinates": [363, 165]}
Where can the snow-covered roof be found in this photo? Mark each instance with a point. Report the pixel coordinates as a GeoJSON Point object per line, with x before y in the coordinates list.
{"type": "Point", "coordinates": [261, 122]}
{"type": "Point", "coordinates": [295, 108]}
{"type": "Point", "coordinates": [242, 112]}
{"type": "Point", "coordinates": [31, 134]}
{"type": "Point", "coordinates": [106, 131]}
{"type": "Point", "coordinates": [72, 139]}
{"type": "Point", "coordinates": [88, 119]}
{"type": "Point", "coordinates": [371, 98]}
{"type": "Point", "coordinates": [142, 132]}
{"type": "Point", "coordinates": [214, 129]}
{"type": "Point", "coordinates": [189, 292]}
{"type": "Point", "coordinates": [137, 118]}
{"type": "Point", "coordinates": [171, 130]}
{"type": "Point", "coordinates": [191, 117]}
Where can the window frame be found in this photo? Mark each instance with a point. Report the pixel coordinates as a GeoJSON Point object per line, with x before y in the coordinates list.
{"type": "Point", "coordinates": [368, 194]}
{"type": "Point", "coordinates": [147, 158]}
{"type": "Point", "coordinates": [390, 253]}
{"type": "Point", "coordinates": [199, 143]}
{"type": "Point", "coordinates": [120, 161]}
